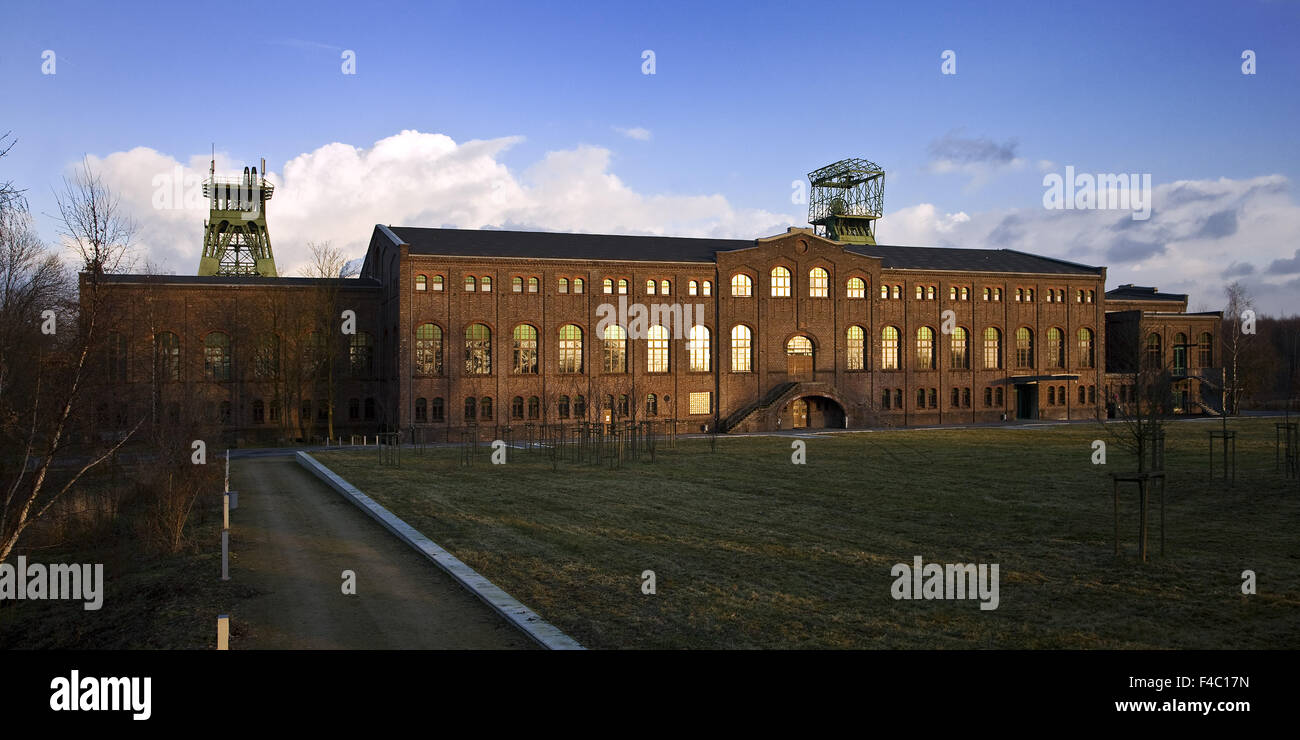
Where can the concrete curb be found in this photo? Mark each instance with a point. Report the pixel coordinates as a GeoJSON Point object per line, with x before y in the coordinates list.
{"type": "Point", "coordinates": [542, 632]}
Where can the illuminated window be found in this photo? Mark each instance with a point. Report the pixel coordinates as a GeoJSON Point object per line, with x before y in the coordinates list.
{"type": "Point", "coordinates": [925, 348]}
{"type": "Point", "coordinates": [692, 288]}
{"type": "Point", "coordinates": [614, 347]}
{"type": "Point", "coordinates": [741, 349]}
{"type": "Point", "coordinates": [741, 286]}
{"type": "Point", "coordinates": [818, 283]}
{"type": "Point", "coordinates": [485, 284]}
{"type": "Point", "coordinates": [856, 346]}
{"type": "Point", "coordinates": [884, 292]}
{"type": "Point", "coordinates": [656, 350]}
{"type": "Point", "coordinates": [780, 282]}
{"type": "Point", "coordinates": [437, 283]}
{"type": "Point", "coordinates": [965, 296]}
{"type": "Point", "coordinates": [570, 349]}
{"type": "Point", "coordinates": [517, 284]}
{"type": "Point", "coordinates": [524, 349]}
{"type": "Point", "coordinates": [622, 287]}
{"type": "Point", "coordinates": [471, 283]}
{"type": "Point", "coordinates": [665, 287]}
{"type": "Point", "coordinates": [478, 350]}
{"type": "Point", "coordinates": [698, 350]}
{"type": "Point", "coordinates": [421, 282]}
{"type": "Point", "coordinates": [929, 293]}
{"type": "Point", "coordinates": [563, 286]}
{"type": "Point", "coordinates": [889, 348]}
{"type": "Point", "coordinates": [898, 292]}
{"type": "Point", "coordinates": [579, 285]}
{"type": "Point", "coordinates": [992, 349]}
{"type": "Point", "coordinates": [428, 349]}
{"type": "Point", "coordinates": [1024, 347]}
{"type": "Point", "coordinates": [920, 292]}
{"type": "Point", "coordinates": [650, 286]}
{"type": "Point", "coordinates": [707, 287]}
{"type": "Point", "coordinates": [608, 286]}
{"type": "Point", "coordinates": [1055, 348]}
{"type": "Point", "coordinates": [959, 351]}
{"type": "Point", "coordinates": [857, 288]}
{"type": "Point", "coordinates": [651, 405]}
{"type": "Point", "coordinates": [534, 284]}
{"type": "Point", "coordinates": [701, 403]}
{"type": "Point", "coordinates": [987, 293]}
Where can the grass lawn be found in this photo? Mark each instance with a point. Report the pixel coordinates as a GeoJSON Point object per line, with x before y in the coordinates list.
{"type": "Point", "coordinates": [752, 551]}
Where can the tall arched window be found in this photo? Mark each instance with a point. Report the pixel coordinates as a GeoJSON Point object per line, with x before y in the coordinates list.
{"type": "Point", "coordinates": [580, 407]}
{"type": "Point", "coordinates": [216, 356]}
{"type": "Point", "coordinates": [1024, 347]}
{"type": "Point", "coordinates": [856, 347]}
{"type": "Point", "coordinates": [167, 356]}
{"type": "Point", "coordinates": [959, 351]}
{"type": "Point", "coordinates": [1087, 353]}
{"type": "Point", "coordinates": [614, 346]}
{"type": "Point", "coordinates": [116, 358]}
{"type": "Point", "coordinates": [436, 410]}
{"type": "Point", "coordinates": [818, 283]}
{"type": "Point", "coordinates": [534, 407]}
{"type": "Point", "coordinates": [428, 349]}
{"type": "Point", "coordinates": [1180, 353]}
{"type": "Point", "coordinates": [656, 360]}
{"type": "Point", "coordinates": [992, 349]}
{"type": "Point", "coordinates": [361, 355]}
{"type": "Point", "coordinates": [1055, 348]}
{"type": "Point", "coordinates": [857, 288]}
{"type": "Point", "coordinates": [698, 349]}
{"type": "Point", "coordinates": [1205, 350]}
{"type": "Point", "coordinates": [925, 348]}
{"type": "Point", "coordinates": [1155, 354]}
{"type": "Point", "coordinates": [266, 357]}
{"type": "Point", "coordinates": [889, 348]}
{"type": "Point", "coordinates": [741, 286]}
{"type": "Point", "coordinates": [517, 407]}
{"type": "Point", "coordinates": [524, 350]}
{"type": "Point", "coordinates": [485, 408]}
{"type": "Point", "coordinates": [570, 349]}
{"type": "Point", "coordinates": [780, 282]}
{"type": "Point", "coordinates": [742, 349]}
{"type": "Point", "coordinates": [562, 407]}
{"type": "Point", "coordinates": [478, 350]}
{"type": "Point", "coordinates": [471, 408]}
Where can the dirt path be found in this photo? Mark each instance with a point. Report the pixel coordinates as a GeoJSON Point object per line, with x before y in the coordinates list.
{"type": "Point", "coordinates": [291, 539]}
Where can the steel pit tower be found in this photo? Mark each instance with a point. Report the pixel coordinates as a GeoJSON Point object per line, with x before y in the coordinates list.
{"type": "Point", "coordinates": [846, 199]}
{"type": "Point", "coordinates": [235, 239]}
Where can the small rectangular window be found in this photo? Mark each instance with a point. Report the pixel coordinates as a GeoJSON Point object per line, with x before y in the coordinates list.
{"type": "Point", "coordinates": [701, 403]}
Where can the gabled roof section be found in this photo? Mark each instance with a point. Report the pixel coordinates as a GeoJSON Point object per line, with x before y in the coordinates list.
{"type": "Point", "coordinates": [971, 260]}
{"type": "Point", "coordinates": [1130, 292]}
{"type": "Point", "coordinates": [553, 245]}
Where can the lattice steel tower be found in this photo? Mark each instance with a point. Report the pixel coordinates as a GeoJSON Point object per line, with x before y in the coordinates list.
{"type": "Point", "coordinates": [846, 199]}
{"type": "Point", "coordinates": [235, 239]}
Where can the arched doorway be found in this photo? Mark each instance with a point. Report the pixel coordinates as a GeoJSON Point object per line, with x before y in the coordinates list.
{"type": "Point", "coordinates": [812, 412]}
{"type": "Point", "coordinates": [799, 357]}
{"type": "Point", "coordinates": [798, 414]}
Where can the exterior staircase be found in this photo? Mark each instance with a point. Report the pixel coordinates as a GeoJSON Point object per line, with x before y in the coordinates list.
{"type": "Point", "coordinates": [776, 398]}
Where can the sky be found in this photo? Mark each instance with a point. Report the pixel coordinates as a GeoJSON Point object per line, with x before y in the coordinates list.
{"type": "Point", "coordinates": [543, 116]}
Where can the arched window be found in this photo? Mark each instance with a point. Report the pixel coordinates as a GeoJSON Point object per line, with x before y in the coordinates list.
{"type": "Point", "coordinates": [623, 405]}
{"type": "Point", "coordinates": [361, 355]}
{"type": "Point", "coordinates": [987, 293]}
{"type": "Point", "coordinates": [992, 349]}
{"type": "Point", "coordinates": [534, 408]}
{"type": "Point", "coordinates": [857, 288]}
{"type": "Point", "coordinates": [579, 285]}
{"type": "Point", "coordinates": [421, 410]}
{"type": "Point", "coordinates": [485, 408]}
{"type": "Point", "coordinates": [1051, 396]}
{"type": "Point", "coordinates": [471, 283]}
{"type": "Point", "coordinates": [742, 349]}
{"type": "Point", "coordinates": [818, 283]}
{"type": "Point", "coordinates": [1024, 347]}
{"type": "Point", "coordinates": [651, 286]}
{"type": "Point", "coordinates": [1083, 395]}
{"type": "Point", "coordinates": [800, 346]}
{"type": "Point", "coordinates": [562, 407]}
{"type": "Point", "coordinates": [708, 287]}
{"type": "Point", "coordinates": [266, 357]}
{"type": "Point", "coordinates": [478, 350]}
{"type": "Point", "coordinates": [524, 350]}
{"type": "Point", "coordinates": [652, 405]}
{"type": "Point", "coordinates": [959, 351]}
{"type": "Point", "coordinates": [471, 408]}
{"type": "Point", "coordinates": [607, 285]}
{"type": "Point", "coordinates": [437, 411]}
{"type": "Point", "coordinates": [1087, 353]}
{"type": "Point", "coordinates": [580, 407]}
{"type": "Point", "coordinates": [997, 397]}
{"type": "Point", "coordinates": [741, 286]}
{"type": "Point", "coordinates": [656, 360]}
{"type": "Point", "coordinates": [1155, 354]}
{"type": "Point", "coordinates": [889, 348]}
{"type": "Point", "coordinates": [692, 288]}
{"type": "Point", "coordinates": [925, 348]}
{"type": "Point", "coordinates": [1180, 353]}
{"type": "Point", "coordinates": [1205, 350]}
{"type": "Point", "coordinates": [622, 287]}
{"type": "Point", "coordinates": [929, 296]}
{"type": "Point", "coordinates": [216, 356]}
{"type": "Point", "coordinates": [698, 349]}
{"type": "Point", "coordinates": [1055, 348]}
{"type": "Point", "coordinates": [614, 346]}
{"type": "Point", "coordinates": [563, 285]}
{"type": "Point", "coordinates": [517, 407]}
{"type": "Point", "coordinates": [898, 292]}
{"type": "Point", "coordinates": [259, 411]}
{"type": "Point", "coordinates": [485, 285]}
{"type": "Point", "coordinates": [167, 356]}
{"type": "Point", "coordinates": [884, 295]}
{"type": "Point", "coordinates": [116, 359]}
{"type": "Point", "coordinates": [988, 396]}
{"type": "Point", "coordinates": [421, 282]}
{"type": "Point", "coordinates": [428, 349]}
{"type": "Point", "coordinates": [665, 287]}
{"type": "Point", "coordinates": [437, 283]}
{"type": "Point", "coordinates": [780, 282]}
{"type": "Point", "coordinates": [517, 284]}
{"type": "Point", "coordinates": [534, 284]}
{"type": "Point", "coordinates": [570, 349]}
{"type": "Point", "coordinates": [856, 346]}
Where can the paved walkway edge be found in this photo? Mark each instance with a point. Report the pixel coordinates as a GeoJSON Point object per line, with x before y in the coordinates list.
{"type": "Point", "coordinates": [544, 633]}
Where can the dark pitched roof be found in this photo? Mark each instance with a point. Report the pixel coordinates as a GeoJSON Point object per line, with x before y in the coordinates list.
{"type": "Point", "coordinates": [553, 245]}
{"type": "Point", "coordinates": [1130, 292]}
{"type": "Point", "coordinates": [971, 260]}
{"type": "Point", "coordinates": [359, 282]}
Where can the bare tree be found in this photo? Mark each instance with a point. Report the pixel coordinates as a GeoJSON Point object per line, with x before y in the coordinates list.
{"type": "Point", "coordinates": [329, 263]}
{"type": "Point", "coordinates": [1144, 399]}
{"type": "Point", "coordinates": [1237, 345]}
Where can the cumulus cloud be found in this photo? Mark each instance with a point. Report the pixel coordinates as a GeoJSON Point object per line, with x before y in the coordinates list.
{"type": "Point", "coordinates": [638, 133]}
{"type": "Point", "coordinates": [1196, 228]}
{"type": "Point", "coordinates": [339, 192]}
{"type": "Point", "coordinates": [979, 157]}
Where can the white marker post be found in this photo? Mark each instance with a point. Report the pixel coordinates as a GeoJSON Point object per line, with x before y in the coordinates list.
{"type": "Point", "coordinates": [223, 632]}
{"type": "Point", "coordinates": [227, 469]}
{"type": "Point", "coordinates": [225, 510]}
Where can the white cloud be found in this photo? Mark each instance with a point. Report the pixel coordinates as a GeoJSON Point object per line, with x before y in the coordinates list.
{"type": "Point", "coordinates": [638, 133]}
{"type": "Point", "coordinates": [339, 192]}
{"type": "Point", "coordinates": [1202, 235]}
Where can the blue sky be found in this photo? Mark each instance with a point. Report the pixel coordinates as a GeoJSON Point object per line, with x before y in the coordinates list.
{"type": "Point", "coordinates": [745, 99]}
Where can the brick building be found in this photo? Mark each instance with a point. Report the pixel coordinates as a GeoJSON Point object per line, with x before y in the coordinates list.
{"type": "Point", "coordinates": [478, 326]}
